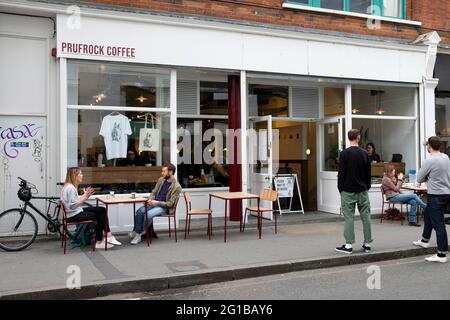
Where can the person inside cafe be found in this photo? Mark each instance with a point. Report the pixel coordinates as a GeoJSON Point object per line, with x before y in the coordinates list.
{"type": "Point", "coordinates": [132, 159]}
{"type": "Point", "coordinates": [75, 213]}
{"type": "Point", "coordinates": [220, 173]}
{"type": "Point", "coordinates": [162, 199]}
{"type": "Point", "coordinates": [373, 156]}
{"type": "Point", "coordinates": [392, 184]}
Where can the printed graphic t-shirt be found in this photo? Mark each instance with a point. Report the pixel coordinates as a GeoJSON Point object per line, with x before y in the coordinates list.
{"type": "Point", "coordinates": [115, 129]}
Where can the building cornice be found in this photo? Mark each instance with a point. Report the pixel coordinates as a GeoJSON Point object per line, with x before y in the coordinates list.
{"type": "Point", "coordinates": [49, 8]}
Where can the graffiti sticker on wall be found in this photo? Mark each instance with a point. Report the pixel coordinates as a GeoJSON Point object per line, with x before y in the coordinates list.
{"type": "Point", "coordinates": [8, 136]}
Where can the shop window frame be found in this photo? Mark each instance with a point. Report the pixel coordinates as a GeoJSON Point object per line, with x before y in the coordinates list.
{"type": "Point", "coordinates": [197, 116]}
{"type": "Point", "coordinates": [346, 7]}
{"type": "Point", "coordinates": [66, 106]}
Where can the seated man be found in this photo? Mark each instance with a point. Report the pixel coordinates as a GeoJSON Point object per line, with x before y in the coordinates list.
{"type": "Point", "coordinates": [162, 199]}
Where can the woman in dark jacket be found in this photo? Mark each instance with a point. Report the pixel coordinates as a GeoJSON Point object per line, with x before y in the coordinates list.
{"type": "Point", "coordinates": [373, 156]}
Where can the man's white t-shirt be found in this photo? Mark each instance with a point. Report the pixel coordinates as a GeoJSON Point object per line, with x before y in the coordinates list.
{"type": "Point", "coordinates": [115, 130]}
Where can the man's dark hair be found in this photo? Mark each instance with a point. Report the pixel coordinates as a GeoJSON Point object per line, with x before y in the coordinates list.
{"type": "Point", "coordinates": [170, 166]}
{"type": "Point", "coordinates": [434, 142]}
{"type": "Point", "coordinates": [353, 134]}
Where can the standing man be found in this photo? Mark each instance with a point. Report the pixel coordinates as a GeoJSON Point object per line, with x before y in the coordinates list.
{"type": "Point", "coordinates": [162, 199]}
{"type": "Point", "coordinates": [354, 180]}
{"type": "Point", "coordinates": [436, 172]}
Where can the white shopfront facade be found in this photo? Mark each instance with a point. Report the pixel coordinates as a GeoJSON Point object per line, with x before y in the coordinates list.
{"type": "Point", "coordinates": [179, 51]}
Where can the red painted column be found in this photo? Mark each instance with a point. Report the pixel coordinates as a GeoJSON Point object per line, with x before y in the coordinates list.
{"type": "Point", "coordinates": [234, 122]}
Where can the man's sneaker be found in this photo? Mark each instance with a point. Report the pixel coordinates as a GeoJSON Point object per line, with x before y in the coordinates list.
{"type": "Point", "coordinates": [436, 258]}
{"type": "Point", "coordinates": [101, 245]}
{"type": "Point", "coordinates": [136, 239]}
{"type": "Point", "coordinates": [343, 249]}
{"type": "Point", "coordinates": [132, 234]}
{"type": "Point", "coordinates": [112, 240]}
{"type": "Point", "coordinates": [414, 224]}
{"type": "Point", "coordinates": [422, 244]}
{"type": "Point", "coordinates": [366, 248]}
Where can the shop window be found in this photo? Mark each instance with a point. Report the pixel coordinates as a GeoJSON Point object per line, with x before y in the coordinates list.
{"type": "Point", "coordinates": [118, 151]}
{"type": "Point", "coordinates": [118, 148]}
{"type": "Point", "coordinates": [394, 140]}
{"type": "Point", "coordinates": [382, 101]}
{"type": "Point", "coordinates": [334, 102]}
{"type": "Point", "coordinates": [443, 121]}
{"type": "Point", "coordinates": [202, 153]}
{"type": "Point", "coordinates": [267, 100]}
{"type": "Point", "coordinates": [213, 98]}
{"type": "Point", "coordinates": [331, 146]}
{"type": "Point", "coordinates": [103, 84]}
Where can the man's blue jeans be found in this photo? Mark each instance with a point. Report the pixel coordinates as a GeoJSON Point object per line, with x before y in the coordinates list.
{"type": "Point", "coordinates": [413, 200]}
{"type": "Point", "coordinates": [434, 219]}
{"type": "Point", "coordinates": [151, 213]}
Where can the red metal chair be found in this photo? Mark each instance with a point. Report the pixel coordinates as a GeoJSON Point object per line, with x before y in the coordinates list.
{"type": "Point", "coordinates": [392, 204]}
{"type": "Point", "coordinates": [190, 212]}
{"type": "Point", "coordinates": [171, 215]}
{"type": "Point", "coordinates": [65, 231]}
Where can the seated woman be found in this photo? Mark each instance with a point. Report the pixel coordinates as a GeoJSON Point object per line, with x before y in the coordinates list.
{"type": "Point", "coordinates": [373, 156]}
{"type": "Point", "coordinates": [75, 213]}
{"type": "Point", "coordinates": [391, 187]}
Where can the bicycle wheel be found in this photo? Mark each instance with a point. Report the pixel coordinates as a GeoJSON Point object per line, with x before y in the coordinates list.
{"type": "Point", "coordinates": [18, 229]}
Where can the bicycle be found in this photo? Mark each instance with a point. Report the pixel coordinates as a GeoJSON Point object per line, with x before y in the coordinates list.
{"type": "Point", "coordinates": [19, 227]}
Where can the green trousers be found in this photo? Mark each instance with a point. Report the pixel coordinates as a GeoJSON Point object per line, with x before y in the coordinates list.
{"type": "Point", "coordinates": [348, 204]}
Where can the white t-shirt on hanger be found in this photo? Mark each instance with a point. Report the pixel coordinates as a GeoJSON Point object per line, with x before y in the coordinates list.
{"type": "Point", "coordinates": [115, 130]}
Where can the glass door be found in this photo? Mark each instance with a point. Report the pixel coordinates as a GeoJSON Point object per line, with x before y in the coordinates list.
{"type": "Point", "coordinates": [332, 141]}
{"type": "Point", "coordinates": [260, 148]}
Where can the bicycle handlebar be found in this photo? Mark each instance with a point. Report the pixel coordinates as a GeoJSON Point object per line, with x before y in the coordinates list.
{"type": "Point", "coordinates": [26, 184]}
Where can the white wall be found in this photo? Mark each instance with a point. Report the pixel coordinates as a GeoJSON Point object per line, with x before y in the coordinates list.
{"type": "Point", "coordinates": [229, 47]}
{"type": "Point", "coordinates": [28, 91]}
{"type": "Point", "coordinates": [24, 62]}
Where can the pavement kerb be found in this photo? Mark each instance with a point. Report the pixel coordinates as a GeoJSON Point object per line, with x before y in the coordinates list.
{"type": "Point", "coordinates": [186, 279]}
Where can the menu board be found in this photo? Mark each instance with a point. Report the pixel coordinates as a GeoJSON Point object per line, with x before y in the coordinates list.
{"type": "Point", "coordinates": [284, 185]}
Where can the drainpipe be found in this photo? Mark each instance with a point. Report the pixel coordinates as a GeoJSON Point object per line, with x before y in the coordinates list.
{"type": "Point", "coordinates": [427, 90]}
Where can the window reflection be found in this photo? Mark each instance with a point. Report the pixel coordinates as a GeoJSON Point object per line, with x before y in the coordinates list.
{"type": "Point", "coordinates": [214, 98]}
{"type": "Point", "coordinates": [268, 100]}
{"type": "Point", "coordinates": [205, 173]}
{"type": "Point", "coordinates": [102, 84]}
{"type": "Point", "coordinates": [113, 158]}
{"type": "Point", "coordinates": [443, 121]}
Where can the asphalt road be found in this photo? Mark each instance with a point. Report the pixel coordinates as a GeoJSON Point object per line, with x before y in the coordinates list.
{"type": "Point", "coordinates": [398, 279]}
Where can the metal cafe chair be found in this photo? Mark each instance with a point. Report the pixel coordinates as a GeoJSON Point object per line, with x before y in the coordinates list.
{"type": "Point", "coordinates": [392, 205]}
{"type": "Point", "coordinates": [190, 212]}
{"type": "Point", "coordinates": [171, 215]}
{"type": "Point", "coordinates": [65, 230]}
{"type": "Point", "coordinates": [265, 195]}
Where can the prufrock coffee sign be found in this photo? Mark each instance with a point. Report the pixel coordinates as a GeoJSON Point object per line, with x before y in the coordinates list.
{"type": "Point", "coordinates": [97, 50]}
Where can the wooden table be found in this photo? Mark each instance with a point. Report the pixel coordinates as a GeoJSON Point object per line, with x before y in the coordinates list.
{"type": "Point", "coordinates": [110, 200]}
{"type": "Point", "coordinates": [420, 190]}
{"type": "Point", "coordinates": [227, 196]}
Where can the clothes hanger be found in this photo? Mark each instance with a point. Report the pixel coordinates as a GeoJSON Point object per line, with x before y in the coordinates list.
{"type": "Point", "coordinates": [114, 113]}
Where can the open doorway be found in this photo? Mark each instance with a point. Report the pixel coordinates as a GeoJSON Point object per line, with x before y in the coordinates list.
{"type": "Point", "coordinates": [297, 154]}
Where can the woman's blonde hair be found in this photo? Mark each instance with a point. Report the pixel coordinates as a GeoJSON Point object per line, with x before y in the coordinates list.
{"type": "Point", "coordinates": [389, 172]}
{"type": "Point", "coordinates": [71, 176]}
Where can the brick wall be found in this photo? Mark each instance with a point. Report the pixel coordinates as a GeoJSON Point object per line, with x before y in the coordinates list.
{"type": "Point", "coordinates": [433, 14]}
